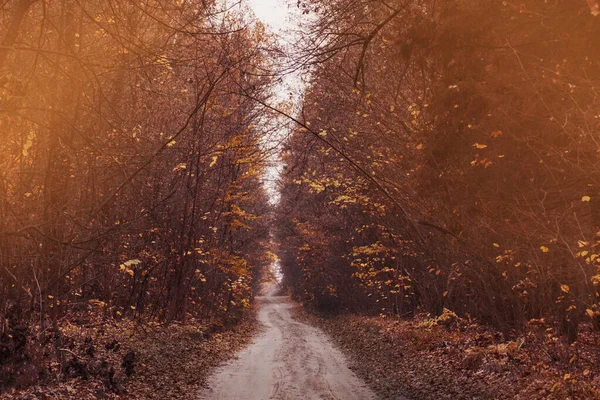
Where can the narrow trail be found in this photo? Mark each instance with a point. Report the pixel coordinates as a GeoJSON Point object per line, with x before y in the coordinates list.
{"type": "Point", "coordinates": [289, 360]}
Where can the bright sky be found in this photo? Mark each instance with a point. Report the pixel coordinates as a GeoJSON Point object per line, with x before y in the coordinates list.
{"type": "Point", "coordinates": [281, 17]}
{"type": "Point", "coordinates": [275, 13]}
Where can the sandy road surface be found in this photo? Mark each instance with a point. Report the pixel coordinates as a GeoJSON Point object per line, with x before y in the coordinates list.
{"type": "Point", "coordinates": [289, 360]}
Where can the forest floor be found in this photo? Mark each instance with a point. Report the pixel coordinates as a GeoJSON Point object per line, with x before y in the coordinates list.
{"type": "Point", "coordinates": [106, 359]}
{"type": "Point", "coordinates": [449, 358]}
{"type": "Point", "coordinates": [424, 358]}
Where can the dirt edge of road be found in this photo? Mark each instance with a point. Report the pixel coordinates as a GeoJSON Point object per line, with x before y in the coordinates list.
{"type": "Point", "coordinates": [395, 366]}
{"type": "Point", "coordinates": [450, 359]}
{"type": "Point", "coordinates": [392, 363]}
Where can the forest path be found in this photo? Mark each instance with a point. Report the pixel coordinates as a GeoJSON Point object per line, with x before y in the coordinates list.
{"type": "Point", "coordinates": [288, 360]}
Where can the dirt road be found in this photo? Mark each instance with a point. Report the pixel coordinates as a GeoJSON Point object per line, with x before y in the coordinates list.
{"type": "Point", "coordinates": [289, 360]}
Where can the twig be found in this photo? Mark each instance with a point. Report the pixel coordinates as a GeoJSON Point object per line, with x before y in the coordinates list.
{"type": "Point", "coordinates": [73, 354]}
{"type": "Point", "coordinates": [16, 280]}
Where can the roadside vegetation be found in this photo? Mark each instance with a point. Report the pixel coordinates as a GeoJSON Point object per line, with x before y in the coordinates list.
{"type": "Point", "coordinates": [130, 184]}
{"type": "Point", "coordinates": [446, 163]}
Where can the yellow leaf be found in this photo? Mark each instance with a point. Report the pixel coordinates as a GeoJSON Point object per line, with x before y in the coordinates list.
{"type": "Point", "coordinates": [419, 146]}
{"type": "Point", "coordinates": [564, 288]}
{"type": "Point", "coordinates": [214, 161]}
{"type": "Point", "coordinates": [496, 245]}
{"type": "Point", "coordinates": [590, 313]}
{"type": "Point", "coordinates": [323, 133]}
{"type": "Point", "coordinates": [567, 377]}
{"type": "Point", "coordinates": [445, 293]}
{"type": "Point", "coordinates": [544, 249]}
{"type": "Point", "coordinates": [586, 198]}
{"type": "Point", "coordinates": [594, 7]}
{"type": "Point", "coordinates": [495, 134]}
{"type": "Point", "coordinates": [572, 360]}
{"type": "Point", "coordinates": [479, 146]}
{"type": "Point", "coordinates": [27, 145]}
{"type": "Point", "coordinates": [180, 167]}
{"type": "Point", "coordinates": [581, 243]}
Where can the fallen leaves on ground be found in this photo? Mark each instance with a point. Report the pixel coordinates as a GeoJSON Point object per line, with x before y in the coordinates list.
{"type": "Point", "coordinates": [449, 358]}
{"type": "Point", "coordinates": [108, 359]}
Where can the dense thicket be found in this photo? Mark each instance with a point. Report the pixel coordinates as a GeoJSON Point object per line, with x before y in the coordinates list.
{"type": "Point", "coordinates": [130, 160]}
{"type": "Point", "coordinates": [448, 159]}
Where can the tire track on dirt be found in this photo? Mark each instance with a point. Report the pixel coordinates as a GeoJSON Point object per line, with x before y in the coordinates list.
{"type": "Point", "coordinates": [289, 360]}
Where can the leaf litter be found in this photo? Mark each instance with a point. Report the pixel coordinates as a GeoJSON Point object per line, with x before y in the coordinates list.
{"type": "Point", "coordinates": [447, 357]}
{"type": "Point", "coordinates": [108, 359]}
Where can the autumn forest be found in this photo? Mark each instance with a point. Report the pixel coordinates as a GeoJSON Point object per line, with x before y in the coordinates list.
{"type": "Point", "coordinates": [432, 201]}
